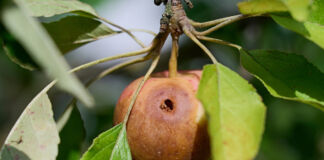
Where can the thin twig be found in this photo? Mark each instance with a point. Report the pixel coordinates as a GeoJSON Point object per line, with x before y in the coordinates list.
{"type": "Point", "coordinates": [210, 30]}
{"type": "Point", "coordinates": [124, 30]}
{"type": "Point", "coordinates": [143, 30]}
{"type": "Point", "coordinates": [219, 41]}
{"type": "Point", "coordinates": [116, 67]}
{"type": "Point", "coordinates": [129, 54]}
{"type": "Point", "coordinates": [173, 65]}
{"type": "Point", "coordinates": [213, 22]}
{"type": "Point", "coordinates": [147, 75]}
{"type": "Point", "coordinates": [228, 21]}
{"type": "Point", "coordinates": [138, 30]}
{"type": "Point", "coordinates": [202, 46]}
{"type": "Point", "coordinates": [221, 20]}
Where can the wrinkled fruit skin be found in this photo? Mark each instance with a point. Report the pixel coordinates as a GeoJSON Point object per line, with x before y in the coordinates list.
{"type": "Point", "coordinates": [167, 121]}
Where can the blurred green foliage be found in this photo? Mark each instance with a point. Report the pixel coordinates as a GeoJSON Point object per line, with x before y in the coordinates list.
{"type": "Point", "coordinates": [294, 131]}
{"type": "Point", "coordinates": [94, 2]}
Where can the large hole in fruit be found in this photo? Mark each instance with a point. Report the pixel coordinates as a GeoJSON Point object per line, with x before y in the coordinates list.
{"type": "Point", "coordinates": [167, 105]}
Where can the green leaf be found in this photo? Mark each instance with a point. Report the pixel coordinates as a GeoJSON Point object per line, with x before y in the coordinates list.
{"type": "Point", "coordinates": [235, 111]}
{"type": "Point", "coordinates": [111, 144]}
{"type": "Point", "coordinates": [286, 76]}
{"type": "Point", "coordinates": [310, 30]}
{"type": "Point", "coordinates": [49, 8]}
{"type": "Point", "coordinates": [308, 19]}
{"type": "Point", "coordinates": [298, 8]}
{"type": "Point", "coordinates": [262, 6]}
{"type": "Point", "coordinates": [68, 32]}
{"type": "Point", "coordinates": [38, 43]}
{"type": "Point", "coordinates": [72, 134]}
{"type": "Point", "coordinates": [34, 136]}
{"type": "Point", "coordinates": [15, 51]}
{"type": "Point", "coordinates": [317, 12]}
{"type": "Point", "coordinates": [74, 31]}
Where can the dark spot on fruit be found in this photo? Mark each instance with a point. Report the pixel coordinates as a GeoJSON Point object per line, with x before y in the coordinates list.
{"type": "Point", "coordinates": [167, 105]}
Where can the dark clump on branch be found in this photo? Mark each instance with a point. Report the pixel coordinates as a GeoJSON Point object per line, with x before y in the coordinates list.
{"type": "Point", "coordinates": [159, 2]}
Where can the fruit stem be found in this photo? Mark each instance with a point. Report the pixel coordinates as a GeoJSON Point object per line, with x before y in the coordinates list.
{"type": "Point", "coordinates": [173, 65]}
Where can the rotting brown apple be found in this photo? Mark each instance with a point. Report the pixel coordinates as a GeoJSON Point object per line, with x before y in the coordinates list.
{"type": "Point", "coordinates": [167, 121]}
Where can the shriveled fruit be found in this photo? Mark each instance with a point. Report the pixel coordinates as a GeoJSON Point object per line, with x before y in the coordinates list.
{"type": "Point", "coordinates": [167, 121]}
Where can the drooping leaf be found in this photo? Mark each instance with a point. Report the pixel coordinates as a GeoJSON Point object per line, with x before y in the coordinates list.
{"type": "Point", "coordinates": [111, 145]}
{"type": "Point", "coordinates": [286, 76]}
{"type": "Point", "coordinates": [15, 51]}
{"type": "Point", "coordinates": [34, 136]}
{"type": "Point", "coordinates": [67, 33]}
{"type": "Point", "coordinates": [235, 111]}
{"type": "Point", "coordinates": [74, 31]}
{"type": "Point", "coordinates": [310, 30]}
{"type": "Point", "coordinates": [310, 26]}
{"type": "Point", "coordinates": [48, 8]}
{"type": "Point", "coordinates": [298, 8]}
{"type": "Point", "coordinates": [38, 43]}
{"type": "Point", "coordinates": [72, 134]}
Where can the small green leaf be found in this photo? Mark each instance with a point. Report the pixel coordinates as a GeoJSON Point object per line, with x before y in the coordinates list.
{"type": "Point", "coordinates": [298, 8]}
{"type": "Point", "coordinates": [49, 8]}
{"type": "Point", "coordinates": [37, 42]}
{"type": "Point", "coordinates": [74, 31]}
{"type": "Point", "coordinates": [34, 136]}
{"type": "Point", "coordinates": [72, 134]}
{"type": "Point", "coordinates": [111, 145]}
{"type": "Point", "coordinates": [286, 76]}
{"type": "Point", "coordinates": [235, 111]}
